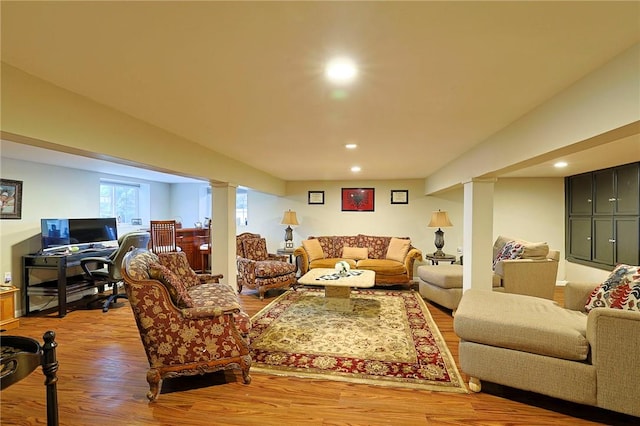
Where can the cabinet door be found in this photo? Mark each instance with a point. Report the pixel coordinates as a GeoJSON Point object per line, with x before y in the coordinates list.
{"type": "Point", "coordinates": [627, 189]}
{"type": "Point", "coordinates": [603, 240]}
{"type": "Point", "coordinates": [627, 236]}
{"type": "Point", "coordinates": [604, 191]}
{"type": "Point", "coordinates": [580, 201]}
{"type": "Point", "coordinates": [580, 238]}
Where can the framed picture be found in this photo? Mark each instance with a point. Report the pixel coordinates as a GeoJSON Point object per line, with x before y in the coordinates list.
{"type": "Point", "coordinates": [10, 199]}
{"type": "Point", "coordinates": [316, 197]}
{"type": "Point", "coordinates": [358, 199]}
{"type": "Point", "coordinates": [399, 196]}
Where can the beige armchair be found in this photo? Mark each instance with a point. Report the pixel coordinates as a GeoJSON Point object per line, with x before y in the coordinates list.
{"type": "Point", "coordinates": [532, 271]}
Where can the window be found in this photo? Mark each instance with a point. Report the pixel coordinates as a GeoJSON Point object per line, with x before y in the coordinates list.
{"type": "Point", "coordinates": [241, 207]}
{"type": "Point", "coordinates": [119, 200]}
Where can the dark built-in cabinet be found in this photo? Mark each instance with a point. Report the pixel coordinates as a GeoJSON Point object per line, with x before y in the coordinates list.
{"type": "Point", "coordinates": [603, 217]}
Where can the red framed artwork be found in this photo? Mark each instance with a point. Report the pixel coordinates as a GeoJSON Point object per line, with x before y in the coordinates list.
{"type": "Point", "coordinates": [358, 199]}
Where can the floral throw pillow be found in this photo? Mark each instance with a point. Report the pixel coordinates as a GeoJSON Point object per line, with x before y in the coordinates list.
{"type": "Point", "coordinates": [511, 250]}
{"type": "Point", "coordinates": [172, 283]}
{"type": "Point", "coordinates": [255, 248]}
{"type": "Point", "coordinates": [621, 290]}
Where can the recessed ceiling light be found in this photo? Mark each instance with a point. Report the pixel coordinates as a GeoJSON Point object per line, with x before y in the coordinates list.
{"type": "Point", "coordinates": [341, 70]}
{"type": "Point", "coordinates": [351, 146]}
{"type": "Point", "coordinates": [560, 164]}
{"type": "Point", "coordinates": [356, 169]}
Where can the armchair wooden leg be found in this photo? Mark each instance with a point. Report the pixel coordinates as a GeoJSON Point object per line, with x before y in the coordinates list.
{"type": "Point", "coordinates": [153, 378]}
{"type": "Point", "coordinates": [474, 384]}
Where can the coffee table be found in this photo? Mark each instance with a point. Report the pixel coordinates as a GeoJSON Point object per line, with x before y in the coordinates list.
{"type": "Point", "coordinates": [337, 292]}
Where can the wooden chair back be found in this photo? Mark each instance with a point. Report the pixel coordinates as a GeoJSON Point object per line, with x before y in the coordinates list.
{"type": "Point", "coordinates": [163, 236]}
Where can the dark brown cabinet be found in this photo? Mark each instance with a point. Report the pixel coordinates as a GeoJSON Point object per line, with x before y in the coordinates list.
{"type": "Point", "coordinates": [603, 217]}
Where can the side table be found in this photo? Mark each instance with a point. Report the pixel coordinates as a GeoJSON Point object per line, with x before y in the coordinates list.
{"type": "Point", "coordinates": [446, 258]}
{"type": "Point", "coordinates": [286, 252]}
{"type": "Point", "coordinates": [7, 308]}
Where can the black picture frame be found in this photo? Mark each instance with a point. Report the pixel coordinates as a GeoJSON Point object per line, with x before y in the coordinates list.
{"type": "Point", "coordinates": [10, 199]}
{"type": "Point", "coordinates": [399, 196]}
{"type": "Point", "coordinates": [315, 197]}
{"type": "Point", "coordinates": [358, 199]}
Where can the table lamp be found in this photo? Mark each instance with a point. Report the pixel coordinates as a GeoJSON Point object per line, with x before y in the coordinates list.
{"type": "Point", "coordinates": [289, 219]}
{"type": "Point", "coordinates": [439, 220]}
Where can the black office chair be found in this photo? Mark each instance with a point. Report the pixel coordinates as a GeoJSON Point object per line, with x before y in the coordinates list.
{"type": "Point", "coordinates": [112, 264]}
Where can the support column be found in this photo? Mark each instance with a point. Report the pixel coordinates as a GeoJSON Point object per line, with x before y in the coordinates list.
{"type": "Point", "coordinates": [223, 238]}
{"type": "Point", "coordinates": [478, 234]}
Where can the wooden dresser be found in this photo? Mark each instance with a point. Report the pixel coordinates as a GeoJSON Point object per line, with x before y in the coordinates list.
{"type": "Point", "coordinates": [189, 240]}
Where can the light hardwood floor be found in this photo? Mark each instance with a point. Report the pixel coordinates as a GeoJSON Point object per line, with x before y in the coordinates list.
{"type": "Point", "coordinates": [102, 381]}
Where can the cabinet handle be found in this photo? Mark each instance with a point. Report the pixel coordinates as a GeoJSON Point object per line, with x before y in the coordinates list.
{"type": "Point", "coordinates": [588, 238]}
{"type": "Point", "coordinates": [612, 199]}
{"type": "Point", "coordinates": [611, 240]}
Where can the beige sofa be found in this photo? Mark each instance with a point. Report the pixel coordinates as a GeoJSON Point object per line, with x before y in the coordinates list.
{"type": "Point", "coordinates": [536, 345]}
{"type": "Point", "coordinates": [391, 258]}
{"type": "Point", "coordinates": [533, 272]}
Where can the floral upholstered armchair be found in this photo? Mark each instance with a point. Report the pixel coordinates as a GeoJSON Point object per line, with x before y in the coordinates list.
{"type": "Point", "coordinates": [259, 269]}
{"type": "Point", "coordinates": [188, 324]}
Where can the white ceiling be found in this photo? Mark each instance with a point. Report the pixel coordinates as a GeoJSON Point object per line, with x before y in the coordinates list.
{"type": "Point", "coordinates": [245, 78]}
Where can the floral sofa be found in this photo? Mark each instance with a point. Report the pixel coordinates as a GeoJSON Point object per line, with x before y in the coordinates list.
{"type": "Point", "coordinates": [391, 258]}
{"type": "Point", "coordinates": [189, 323]}
{"type": "Point", "coordinates": [586, 352]}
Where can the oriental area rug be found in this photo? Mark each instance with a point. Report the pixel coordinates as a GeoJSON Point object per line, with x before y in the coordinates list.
{"type": "Point", "coordinates": [389, 339]}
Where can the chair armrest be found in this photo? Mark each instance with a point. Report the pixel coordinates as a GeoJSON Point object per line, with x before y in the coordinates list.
{"type": "Point", "coordinates": [528, 276]}
{"type": "Point", "coordinates": [86, 260]}
{"type": "Point", "coordinates": [614, 337]}
{"type": "Point", "coordinates": [302, 259]}
{"type": "Point", "coordinates": [281, 258]}
{"type": "Point", "coordinates": [208, 311]}
{"type": "Point", "coordinates": [207, 278]}
{"type": "Point", "coordinates": [413, 255]}
{"type": "Point", "coordinates": [576, 295]}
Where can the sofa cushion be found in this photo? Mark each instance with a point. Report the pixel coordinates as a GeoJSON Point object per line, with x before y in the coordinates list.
{"type": "Point", "coordinates": [536, 251]}
{"type": "Point", "coordinates": [273, 268]}
{"type": "Point", "coordinates": [177, 290]}
{"type": "Point", "coordinates": [330, 262]}
{"type": "Point", "coordinates": [382, 266]}
{"type": "Point", "coordinates": [313, 249]}
{"type": "Point", "coordinates": [355, 253]}
{"type": "Point", "coordinates": [178, 263]}
{"type": "Point", "coordinates": [447, 276]}
{"type": "Point", "coordinates": [621, 290]}
{"type": "Point", "coordinates": [398, 249]}
{"type": "Point", "coordinates": [255, 248]}
{"type": "Point", "coordinates": [444, 276]}
{"type": "Point", "coordinates": [522, 323]}
{"type": "Point", "coordinates": [376, 245]}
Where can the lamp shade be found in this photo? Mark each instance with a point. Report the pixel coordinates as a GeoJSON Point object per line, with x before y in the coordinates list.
{"type": "Point", "coordinates": [439, 219]}
{"type": "Point", "coordinates": [289, 218]}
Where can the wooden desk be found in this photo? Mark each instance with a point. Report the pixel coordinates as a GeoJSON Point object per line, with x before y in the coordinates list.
{"type": "Point", "coordinates": [64, 285]}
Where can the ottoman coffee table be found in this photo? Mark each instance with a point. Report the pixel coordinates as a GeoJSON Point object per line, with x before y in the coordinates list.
{"type": "Point", "coordinates": [337, 289]}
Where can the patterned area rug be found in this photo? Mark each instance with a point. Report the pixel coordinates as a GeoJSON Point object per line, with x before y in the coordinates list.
{"type": "Point", "coordinates": [389, 339]}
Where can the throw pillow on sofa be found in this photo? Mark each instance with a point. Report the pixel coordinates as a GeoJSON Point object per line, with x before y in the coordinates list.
{"type": "Point", "coordinates": [398, 249]}
{"type": "Point", "coordinates": [313, 249]}
{"type": "Point", "coordinates": [511, 250]}
{"type": "Point", "coordinates": [621, 290]}
{"type": "Point", "coordinates": [175, 287]}
{"type": "Point", "coordinates": [355, 253]}
{"type": "Point", "coordinates": [255, 248]}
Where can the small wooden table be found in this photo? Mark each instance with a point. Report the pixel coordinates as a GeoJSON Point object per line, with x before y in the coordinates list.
{"type": "Point", "coordinates": [435, 259]}
{"type": "Point", "coordinates": [337, 292]}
